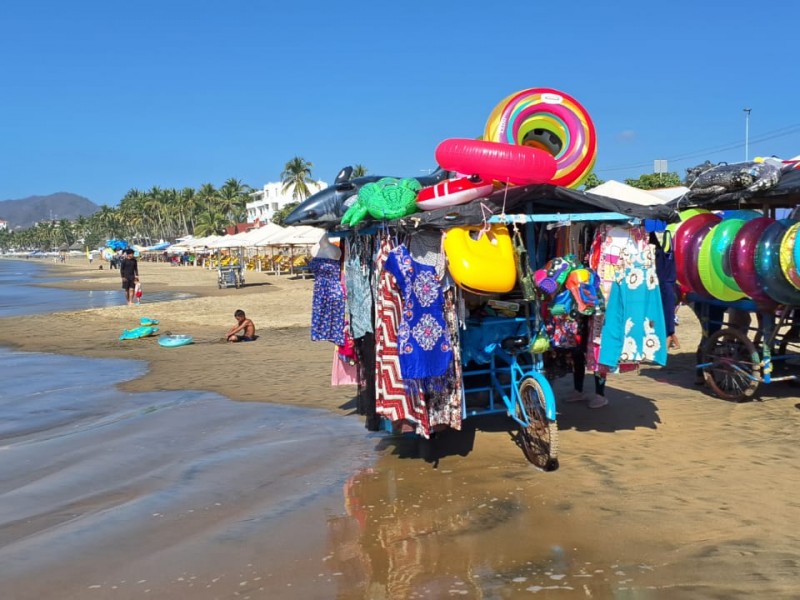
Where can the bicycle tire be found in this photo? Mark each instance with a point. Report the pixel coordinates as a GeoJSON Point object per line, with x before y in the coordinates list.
{"type": "Point", "coordinates": [735, 369]}
{"type": "Point", "coordinates": [540, 438]}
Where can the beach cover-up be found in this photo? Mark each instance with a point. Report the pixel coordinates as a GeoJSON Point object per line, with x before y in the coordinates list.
{"type": "Point", "coordinates": [327, 310]}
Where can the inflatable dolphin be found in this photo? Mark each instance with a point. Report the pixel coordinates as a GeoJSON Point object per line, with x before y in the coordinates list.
{"type": "Point", "coordinates": [326, 207]}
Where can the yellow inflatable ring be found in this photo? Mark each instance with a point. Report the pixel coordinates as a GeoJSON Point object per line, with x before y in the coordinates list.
{"type": "Point", "coordinates": [481, 262]}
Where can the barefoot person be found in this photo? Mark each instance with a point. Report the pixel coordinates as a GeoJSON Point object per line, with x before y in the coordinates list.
{"type": "Point", "coordinates": [244, 330]}
{"type": "Point", "coordinates": [129, 271]}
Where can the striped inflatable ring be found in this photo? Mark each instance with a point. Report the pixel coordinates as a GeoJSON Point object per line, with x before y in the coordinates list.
{"type": "Point", "coordinates": [787, 256]}
{"type": "Point", "coordinates": [550, 120]}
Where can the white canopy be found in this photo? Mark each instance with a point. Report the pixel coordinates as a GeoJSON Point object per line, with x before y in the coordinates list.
{"type": "Point", "coordinates": [627, 193]}
{"type": "Point", "coordinates": [299, 235]}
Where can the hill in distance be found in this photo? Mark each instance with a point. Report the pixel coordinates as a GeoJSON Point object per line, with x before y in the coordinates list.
{"type": "Point", "coordinates": [33, 209]}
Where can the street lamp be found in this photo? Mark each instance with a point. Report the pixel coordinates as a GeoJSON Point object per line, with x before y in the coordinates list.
{"type": "Point", "coordinates": [747, 134]}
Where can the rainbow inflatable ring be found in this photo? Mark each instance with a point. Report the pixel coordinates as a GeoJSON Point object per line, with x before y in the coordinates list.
{"type": "Point", "coordinates": [549, 120]}
{"type": "Point", "coordinates": [740, 254]}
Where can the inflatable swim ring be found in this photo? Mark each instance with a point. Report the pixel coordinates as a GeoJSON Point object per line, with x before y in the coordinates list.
{"type": "Point", "coordinates": [481, 262]}
{"type": "Point", "coordinates": [692, 259]}
{"type": "Point", "coordinates": [173, 341]}
{"type": "Point", "coordinates": [550, 120]}
{"type": "Point", "coordinates": [768, 265]}
{"type": "Point", "coordinates": [138, 332]}
{"type": "Point", "coordinates": [788, 264]}
{"type": "Point", "coordinates": [720, 253]}
{"type": "Point", "coordinates": [742, 260]}
{"type": "Point", "coordinates": [452, 192]}
{"type": "Point", "coordinates": [706, 264]}
{"type": "Point", "coordinates": [519, 165]}
{"type": "Point", "coordinates": [682, 243]}
{"type": "Point", "coordinates": [148, 321]}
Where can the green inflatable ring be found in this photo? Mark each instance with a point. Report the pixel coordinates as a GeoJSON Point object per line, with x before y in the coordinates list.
{"type": "Point", "coordinates": [721, 242]}
{"type": "Point", "coordinates": [708, 275]}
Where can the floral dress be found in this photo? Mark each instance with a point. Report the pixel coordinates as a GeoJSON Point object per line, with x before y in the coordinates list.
{"type": "Point", "coordinates": [327, 309]}
{"type": "Point", "coordinates": [423, 338]}
{"type": "Point", "coordinates": [634, 328]}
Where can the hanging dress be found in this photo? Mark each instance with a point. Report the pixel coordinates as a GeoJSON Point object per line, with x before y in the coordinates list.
{"type": "Point", "coordinates": [634, 329]}
{"type": "Point", "coordinates": [392, 400]}
{"type": "Point", "coordinates": [327, 310]}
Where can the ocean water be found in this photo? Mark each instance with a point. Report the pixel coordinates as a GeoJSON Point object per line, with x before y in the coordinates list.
{"type": "Point", "coordinates": [101, 489]}
{"type": "Point", "coordinates": [19, 294]}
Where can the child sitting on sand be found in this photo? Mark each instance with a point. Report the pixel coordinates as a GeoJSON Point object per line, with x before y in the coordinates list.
{"type": "Point", "coordinates": [244, 330]}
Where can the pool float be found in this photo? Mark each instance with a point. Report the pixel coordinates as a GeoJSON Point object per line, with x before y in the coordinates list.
{"type": "Point", "coordinates": [174, 340]}
{"type": "Point", "coordinates": [519, 165]}
{"type": "Point", "coordinates": [550, 120]}
{"type": "Point", "coordinates": [720, 252]}
{"type": "Point", "coordinates": [691, 257]}
{"type": "Point", "coordinates": [768, 265]}
{"type": "Point", "coordinates": [682, 243]}
{"type": "Point", "coordinates": [138, 332]}
{"type": "Point", "coordinates": [787, 258]}
{"type": "Point", "coordinates": [148, 321]}
{"type": "Point", "coordinates": [742, 260]}
{"type": "Point", "coordinates": [453, 191]}
{"type": "Point", "coordinates": [706, 264]}
{"type": "Point", "coordinates": [481, 261]}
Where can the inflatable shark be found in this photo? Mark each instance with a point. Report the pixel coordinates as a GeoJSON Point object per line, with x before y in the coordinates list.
{"type": "Point", "coordinates": [326, 207]}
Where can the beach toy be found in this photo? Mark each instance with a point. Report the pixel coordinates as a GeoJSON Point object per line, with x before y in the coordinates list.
{"type": "Point", "coordinates": [148, 321]}
{"type": "Point", "coordinates": [387, 198]}
{"type": "Point", "coordinates": [138, 332]}
{"type": "Point", "coordinates": [720, 251]}
{"type": "Point", "coordinates": [692, 259]}
{"type": "Point", "coordinates": [742, 260]}
{"type": "Point", "coordinates": [585, 288]}
{"type": "Point", "coordinates": [552, 121]}
{"type": "Point", "coordinates": [711, 281]}
{"type": "Point", "coordinates": [682, 243]}
{"type": "Point", "coordinates": [519, 165]}
{"type": "Point", "coordinates": [788, 263]}
{"type": "Point", "coordinates": [174, 340]}
{"type": "Point", "coordinates": [481, 261]}
{"type": "Point", "coordinates": [453, 191]}
{"type": "Point", "coordinates": [768, 265]}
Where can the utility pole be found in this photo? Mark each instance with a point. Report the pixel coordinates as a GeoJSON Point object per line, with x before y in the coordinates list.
{"type": "Point", "coordinates": [747, 134]}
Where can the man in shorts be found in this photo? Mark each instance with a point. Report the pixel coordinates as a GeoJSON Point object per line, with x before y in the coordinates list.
{"type": "Point", "coordinates": [129, 271]}
{"type": "Point", "coordinates": [244, 330]}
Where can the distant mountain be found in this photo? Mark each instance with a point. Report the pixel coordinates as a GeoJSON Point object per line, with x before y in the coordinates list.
{"type": "Point", "coordinates": [33, 209]}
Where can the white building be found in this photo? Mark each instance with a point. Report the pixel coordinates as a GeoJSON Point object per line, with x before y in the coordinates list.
{"type": "Point", "coordinates": [3, 224]}
{"type": "Point", "coordinates": [267, 201]}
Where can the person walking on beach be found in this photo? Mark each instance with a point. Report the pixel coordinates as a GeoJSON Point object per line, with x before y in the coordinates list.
{"type": "Point", "coordinates": [244, 330]}
{"type": "Point", "coordinates": [129, 271]}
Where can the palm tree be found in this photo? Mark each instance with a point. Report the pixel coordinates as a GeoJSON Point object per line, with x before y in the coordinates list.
{"type": "Point", "coordinates": [358, 171]}
{"type": "Point", "coordinates": [296, 176]}
{"type": "Point", "coordinates": [211, 222]}
{"type": "Point", "coordinates": [233, 197]}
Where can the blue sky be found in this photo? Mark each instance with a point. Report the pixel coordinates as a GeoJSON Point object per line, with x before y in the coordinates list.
{"type": "Point", "coordinates": [97, 98]}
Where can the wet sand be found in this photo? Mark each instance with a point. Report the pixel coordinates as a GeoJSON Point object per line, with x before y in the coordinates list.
{"type": "Point", "coordinates": [666, 493]}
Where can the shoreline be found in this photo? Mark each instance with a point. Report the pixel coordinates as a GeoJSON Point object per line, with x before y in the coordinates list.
{"type": "Point", "coordinates": [257, 372]}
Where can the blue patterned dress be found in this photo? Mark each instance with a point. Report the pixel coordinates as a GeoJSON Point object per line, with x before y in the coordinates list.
{"type": "Point", "coordinates": [327, 309]}
{"type": "Point", "coordinates": [423, 340]}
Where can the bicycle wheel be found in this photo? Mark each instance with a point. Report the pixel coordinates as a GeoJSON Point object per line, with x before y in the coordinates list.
{"type": "Point", "coordinates": [734, 371]}
{"type": "Point", "coordinates": [540, 438]}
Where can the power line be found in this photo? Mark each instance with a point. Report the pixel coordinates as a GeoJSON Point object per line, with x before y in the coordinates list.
{"type": "Point", "coordinates": [770, 135]}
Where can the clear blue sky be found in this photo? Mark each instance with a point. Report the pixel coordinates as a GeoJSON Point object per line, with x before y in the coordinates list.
{"type": "Point", "coordinates": [98, 97]}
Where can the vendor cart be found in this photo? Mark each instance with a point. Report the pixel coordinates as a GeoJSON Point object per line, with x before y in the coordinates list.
{"type": "Point", "coordinates": [736, 360]}
{"type": "Point", "coordinates": [510, 377]}
{"type": "Point", "coordinates": [230, 276]}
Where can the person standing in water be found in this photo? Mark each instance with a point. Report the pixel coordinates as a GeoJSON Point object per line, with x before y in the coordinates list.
{"type": "Point", "coordinates": [129, 271]}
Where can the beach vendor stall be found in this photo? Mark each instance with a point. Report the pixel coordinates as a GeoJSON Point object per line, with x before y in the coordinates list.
{"type": "Point", "coordinates": [736, 253]}
{"type": "Point", "coordinates": [466, 299]}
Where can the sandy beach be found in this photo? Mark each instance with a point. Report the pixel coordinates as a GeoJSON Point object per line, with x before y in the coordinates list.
{"type": "Point", "coordinates": [667, 493]}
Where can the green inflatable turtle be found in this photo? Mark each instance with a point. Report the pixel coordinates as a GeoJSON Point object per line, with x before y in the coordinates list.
{"type": "Point", "coordinates": [385, 199]}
